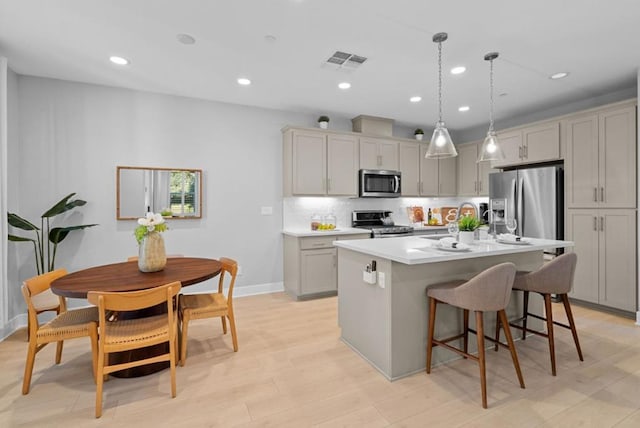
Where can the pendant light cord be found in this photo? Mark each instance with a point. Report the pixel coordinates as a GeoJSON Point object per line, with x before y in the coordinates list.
{"type": "Point", "coordinates": [491, 96]}
{"type": "Point", "coordinates": [440, 81]}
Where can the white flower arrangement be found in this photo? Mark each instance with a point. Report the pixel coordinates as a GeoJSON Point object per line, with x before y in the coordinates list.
{"type": "Point", "coordinates": [150, 223]}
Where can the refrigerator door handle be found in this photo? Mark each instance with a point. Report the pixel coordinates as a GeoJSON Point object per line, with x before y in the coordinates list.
{"type": "Point", "coordinates": [520, 209]}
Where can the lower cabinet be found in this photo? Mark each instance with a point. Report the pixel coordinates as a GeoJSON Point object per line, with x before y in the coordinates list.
{"type": "Point", "coordinates": [605, 242]}
{"type": "Point", "coordinates": [310, 265]}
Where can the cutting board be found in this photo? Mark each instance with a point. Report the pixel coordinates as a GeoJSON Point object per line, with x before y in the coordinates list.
{"type": "Point", "coordinates": [449, 213]}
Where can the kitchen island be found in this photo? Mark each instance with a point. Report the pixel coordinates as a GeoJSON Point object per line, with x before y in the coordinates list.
{"type": "Point", "coordinates": [384, 319]}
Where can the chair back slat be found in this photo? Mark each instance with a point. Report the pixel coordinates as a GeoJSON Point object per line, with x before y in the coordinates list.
{"type": "Point", "coordinates": [229, 266]}
{"type": "Point", "coordinates": [134, 300]}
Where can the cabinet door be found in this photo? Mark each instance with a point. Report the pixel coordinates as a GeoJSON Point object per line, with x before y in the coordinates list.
{"type": "Point", "coordinates": [429, 182]}
{"type": "Point", "coordinates": [342, 165]}
{"type": "Point", "coordinates": [409, 163]}
{"type": "Point", "coordinates": [468, 170]}
{"type": "Point", "coordinates": [318, 271]}
{"type": "Point", "coordinates": [617, 258]}
{"type": "Point", "coordinates": [581, 163]}
{"type": "Point", "coordinates": [309, 163]}
{"type": "Point", "coordinates": [583, 229]}
{"type": "Point", "coordinates": [541, 142]}
{"type": "Point", "coordinates": [447, 177]}
{"type": "Point", "coordinates": [484, 169]}
{"type": "Point", "coordinates": [617, 155]}
{"type": "Point", "coordinates": [511, 144]}
{"type": "Point", "coordinates": [388, 152]}
{"type": "Point", "coordinates": [369, 156]}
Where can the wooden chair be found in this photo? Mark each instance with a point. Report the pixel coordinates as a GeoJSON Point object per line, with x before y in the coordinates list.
{"type": "Point", "coordinates": [212, 305]}
{"type": "Point", "coordinates": [490, 290]}
{"type": "Point", "coordinates": [66, 325]}
{"type": "Point", "coordinates": [124, 335]}
{"type": "Point", "coordinates": [554, 277]}
{"type": "Point", "coordinates": [44, 302]}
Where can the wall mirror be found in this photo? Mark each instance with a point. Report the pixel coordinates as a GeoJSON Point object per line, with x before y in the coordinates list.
{"type": "Point", "coordinates": [173, 192]}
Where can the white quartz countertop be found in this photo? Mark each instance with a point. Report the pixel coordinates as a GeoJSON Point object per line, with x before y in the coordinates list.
{"type": "Point", "coordinates": [334, 232]}
{"type": "Point", "coordinates": [421, 249]}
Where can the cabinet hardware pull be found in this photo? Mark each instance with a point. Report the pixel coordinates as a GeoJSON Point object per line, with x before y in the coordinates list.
{"type": "Point", "coordinates": [480, 186]}
{"type": "Point", "coordinates": [520, 152]}
{"type": "Point", "coordinates": [602, 224]}
{"type": "Point", "coordinates": [475, 186]}
{"type": "Point", "coordinates": [328, 184]}
{"type": "Point", "coordinates": [595, 224]}
{"type": "Point", "coordinates": [602, 194]}
{"type": "Point", "coordinates": [595, 194]}
{"type": "Point", "coordinates": [526, 152]}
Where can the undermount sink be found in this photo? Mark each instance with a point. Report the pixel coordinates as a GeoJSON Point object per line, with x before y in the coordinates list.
{"type": "Point", "coordinates": [435, 237]}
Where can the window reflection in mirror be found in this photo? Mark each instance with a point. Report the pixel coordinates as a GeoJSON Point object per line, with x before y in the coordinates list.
{"type": "Point", "coordinates": [173, 192]}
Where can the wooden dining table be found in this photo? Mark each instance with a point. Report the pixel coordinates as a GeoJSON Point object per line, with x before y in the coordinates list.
{"type": "Point", "coordinates": [127, 277]}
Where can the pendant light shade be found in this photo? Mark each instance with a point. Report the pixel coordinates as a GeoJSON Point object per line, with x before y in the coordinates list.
{"type": "Point", "coordinates": [441, 145]}
{"type": "Point", "coordinates": [491, 150]}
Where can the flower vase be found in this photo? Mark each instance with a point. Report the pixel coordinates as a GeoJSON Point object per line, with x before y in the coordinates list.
{"type": "Point", "coordinates": [151, 253]}
{"type": "Point", "coordinates": [465, 237]}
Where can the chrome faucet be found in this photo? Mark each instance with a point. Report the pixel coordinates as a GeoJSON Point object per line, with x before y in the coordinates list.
{"type": "Point", "coordinates": [462, 205]}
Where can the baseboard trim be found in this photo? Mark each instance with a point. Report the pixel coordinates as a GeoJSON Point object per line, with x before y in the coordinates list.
{"type": "Point", "coordinates": [20, 321]}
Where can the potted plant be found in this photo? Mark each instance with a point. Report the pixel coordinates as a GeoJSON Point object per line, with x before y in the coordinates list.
{"type": "Point", "coordinates": [419, 134]}
{"type": "Point", "coordinates": [467, 226]}
{"type": "Point", "coordinates": [323, 122]}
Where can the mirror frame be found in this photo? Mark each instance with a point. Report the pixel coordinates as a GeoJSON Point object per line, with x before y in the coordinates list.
{"type": "Point", "coordinates": [199, 204]}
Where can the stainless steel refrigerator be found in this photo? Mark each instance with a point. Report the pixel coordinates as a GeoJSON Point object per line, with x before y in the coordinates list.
{"type": "Point", "coordinates": [533, 196]}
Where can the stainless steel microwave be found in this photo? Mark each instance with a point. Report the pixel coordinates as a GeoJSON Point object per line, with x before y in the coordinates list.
{"type": "Point", "coordinates": [375, 183]}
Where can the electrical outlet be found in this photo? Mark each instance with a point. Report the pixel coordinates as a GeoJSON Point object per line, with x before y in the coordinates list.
{"type": "Point", "coordinates": [381, 282]}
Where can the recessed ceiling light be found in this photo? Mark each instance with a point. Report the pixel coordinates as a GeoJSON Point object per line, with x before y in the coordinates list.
{"type": "Point", "coordinates": [344, 85]}
{"type": "Point", "coordinates": [415, 99]}
{"type": "Point", "coordinates": [185, 39]}
{"type": "Point", "coordinates": [560, 75]}
{"type": "Point", "coordinates": [244, 81]}
{"type": "Point", "coordinates": [119, 60]}
{"type": "Point", "coordinates": [458, 70]}
{"type": "Point", "coordinates": [463, 108]}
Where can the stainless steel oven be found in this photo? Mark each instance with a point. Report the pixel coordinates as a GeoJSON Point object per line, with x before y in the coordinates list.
{"type": "Point", "coordinates": [376, 183]}
{"type": "Point", "coordinates": [379, 223]}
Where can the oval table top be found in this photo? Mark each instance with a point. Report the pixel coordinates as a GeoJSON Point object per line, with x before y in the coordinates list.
{"type": "Point", "coordinates": [126, 276]}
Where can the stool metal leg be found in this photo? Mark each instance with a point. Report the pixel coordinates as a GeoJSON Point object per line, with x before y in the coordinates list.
{"type": "Point", "coordinates": [432, 324]}
{"type": "Point", "coordinates": [549, 316]}
{"type": "Point", "coordinates": [481, 361]}
{"type": "Point", "coordinates": [502, 315]}
{"type": "Point", "coordinates": [572, 323]}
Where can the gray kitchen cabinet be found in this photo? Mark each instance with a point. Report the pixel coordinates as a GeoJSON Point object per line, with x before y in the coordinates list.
{"type": "Point", "coordinates": [605, 242]}
{"type": "Point", "coordinates": [438, 177]}
{"type": "Point", "coordinates": [531, 144]}
{"type": "Point", "coordinates": [317, 163]}
{"type": "Point", "coordinates": [377, 153]}
{"type": "Point", "coordinates": [409, 164]}
{"type": "Point", "coordinates": [310, 265]}
{"type": "Point", "coordinates": [473, 177]}
{"type": "Point", "coordinates": [600, 164]}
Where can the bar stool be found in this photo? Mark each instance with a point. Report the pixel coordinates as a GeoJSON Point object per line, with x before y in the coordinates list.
{"type": "Point", "coordinates": [490, 290]}
{"type": "Point", "coordinates": [554, 277]}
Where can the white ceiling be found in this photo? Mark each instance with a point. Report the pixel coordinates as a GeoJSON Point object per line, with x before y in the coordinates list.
{"type": "Point", "coordinates": [597, 41]}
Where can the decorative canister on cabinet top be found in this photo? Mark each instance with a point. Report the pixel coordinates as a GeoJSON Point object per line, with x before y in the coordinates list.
{"type": "Point", "coordinates": [151, 253]}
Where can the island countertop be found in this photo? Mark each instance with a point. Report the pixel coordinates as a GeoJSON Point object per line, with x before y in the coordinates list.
{"type": "Point", "coordinates": [424, 249]}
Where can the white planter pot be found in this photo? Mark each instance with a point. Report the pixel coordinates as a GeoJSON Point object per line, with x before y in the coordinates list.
{"type": "Point", "coordinates": [465, 237]}
{"type": "Point", "coordinates": [323, 125]}
{"type": "Point", "coordinates": [419, 137]}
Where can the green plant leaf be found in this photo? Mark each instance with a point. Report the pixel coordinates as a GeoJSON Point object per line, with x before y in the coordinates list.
{"type": "Point", "coordinates": [468, 224]}
{"type": "Point", "coordinates": [16, 221]}
{"type": "Point", "coordinates": [64, 205]}
{"type": "Point", "coordinates": [57, 234]}
{"type": "Point", "coordinates": [15, 238]}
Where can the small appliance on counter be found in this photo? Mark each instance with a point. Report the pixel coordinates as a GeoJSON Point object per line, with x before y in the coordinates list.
{"type": "Point", "coordinates": [380, 224]}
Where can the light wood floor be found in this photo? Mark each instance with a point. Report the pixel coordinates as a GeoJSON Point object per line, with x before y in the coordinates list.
{"type": "Point", "coordinates": [293, 371]}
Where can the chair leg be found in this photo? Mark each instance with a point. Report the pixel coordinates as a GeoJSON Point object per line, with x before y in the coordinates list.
{"type": "Point", "coordinates": [28, 367]}
{"type": "Point", "coordinates": [185, 337]}
{"type": "Point", "coordinates": [497, 338]}
{"type": "Point", "coordinates": [525, 314]}
{"type": "Point", "coordinates": [466, 331]}
{"type": "Point", "coordinates": [481, 360]}
{"type": "Point", "coordinates": [99, 383]}
{"type": "Point", "coordinates": [232, 324]}
{"type": "Point", "coordinates": [172, 364]}
{"type": "Point", "coordinates": [549, 316]}
{"type": "Point", "coordinates": [512, 347]}
{"type": "Point", "coordinates": [430, 331]}
{"type": "Point", "coordinates": [224, 324]}
{"type": "Point", "coordinates": [572, 324]}
{"type": "Point", "coordinates": [59, 351]}
{"type": "Point", "coordinates": [93, 337]}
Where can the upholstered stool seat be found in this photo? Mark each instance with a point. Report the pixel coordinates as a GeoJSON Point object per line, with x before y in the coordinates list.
{"type": "Point", "coordinates": [490, 290]}
{"type": "Point", "coordinates": [554, 277]}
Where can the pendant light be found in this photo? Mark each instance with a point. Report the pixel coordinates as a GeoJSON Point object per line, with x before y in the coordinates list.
{"type": "Point", "coordinates": [491, 150]}
{"type": "Point", "coordinates": [441, 145]}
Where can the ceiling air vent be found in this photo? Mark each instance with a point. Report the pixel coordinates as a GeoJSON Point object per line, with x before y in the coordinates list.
{"type": "Point", "coordinates": [345, 61]}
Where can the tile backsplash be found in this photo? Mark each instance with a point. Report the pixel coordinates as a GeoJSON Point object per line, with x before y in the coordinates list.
{"type": "Point", "coordinates": [297, 211]}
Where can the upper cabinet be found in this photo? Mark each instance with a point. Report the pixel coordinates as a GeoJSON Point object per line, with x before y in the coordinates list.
{"type": "Point", "coordinates": [409, 166]}
{"type": "Point", "coordinates": [600, 167]}
{"type": "Point", "coordinates": [538, 143]}
{"type": "Point", "coordinates": [437, 176]}
{"type": "Point", "coordinates": [473, 177]}
{"type": "Point", "coordinates": [377, 153]}
{"type": "Point", "coordinates": [318, 163]}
